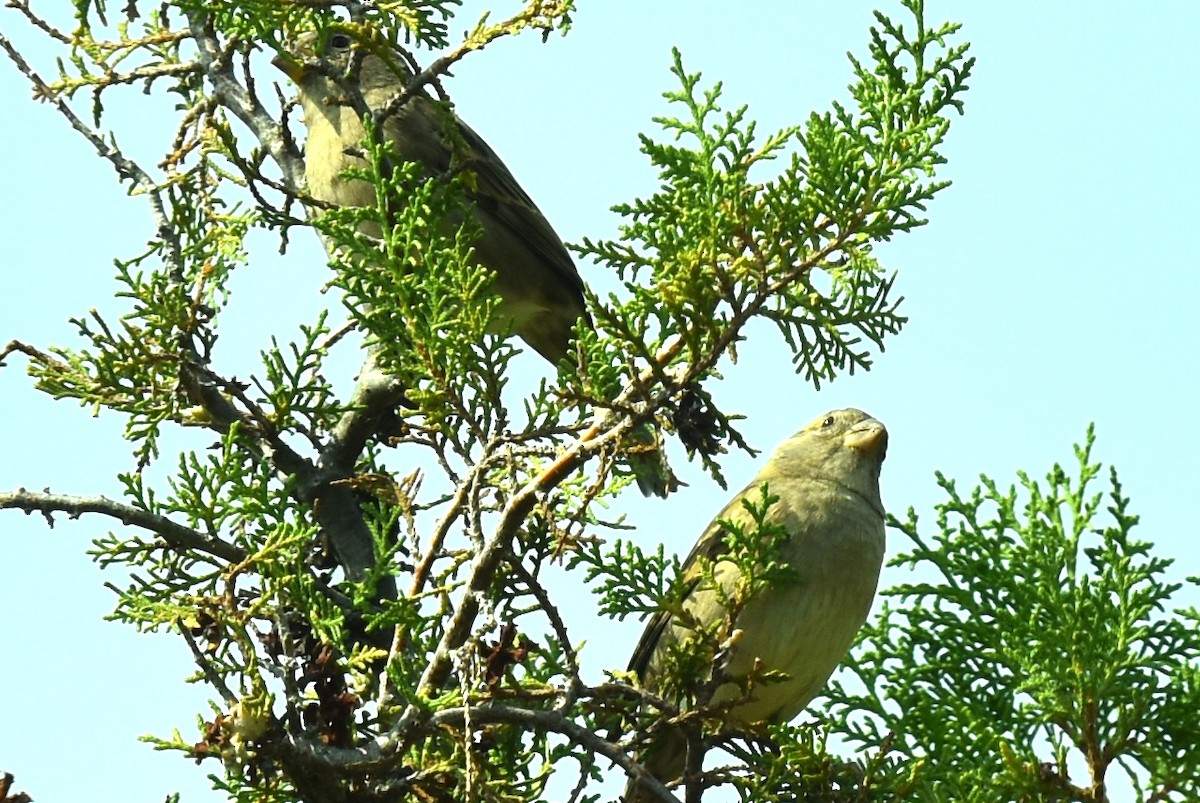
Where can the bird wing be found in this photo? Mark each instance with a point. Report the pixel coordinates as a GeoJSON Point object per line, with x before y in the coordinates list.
{"type": "Point", "coordinates": [711, 545]}
{"type": "Point", "coordinates": [498, 194]}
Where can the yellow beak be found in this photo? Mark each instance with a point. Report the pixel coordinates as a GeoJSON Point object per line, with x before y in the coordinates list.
{"type": "Point", "coordinates": [290, 67]}
{"type": "Point", "coordinates": [868, 436]}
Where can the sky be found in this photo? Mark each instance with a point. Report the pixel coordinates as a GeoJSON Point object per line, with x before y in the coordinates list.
{"type": "Point", "coordinates": [1053, 287]}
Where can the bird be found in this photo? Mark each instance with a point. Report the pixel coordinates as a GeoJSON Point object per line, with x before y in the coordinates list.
{"type": "Point", "coordinates": [826, 478]}
{"type": "Point", "coordinates": [541, 292]}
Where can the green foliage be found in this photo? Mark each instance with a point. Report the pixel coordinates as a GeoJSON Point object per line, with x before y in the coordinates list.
{"type": "Point", "coordinates": [362, 627]}
{"type": "Point", "coordinates": [1041, 648]}
{"type": "Point", "coordinates": [424, 304]}
{"type": "Point", "coordinates": [715, 245]}
{"type": "Point", "coordinates": [295, 392]}
{"type": "Point", "coordinates": [755, 548]}
{"type": "Point", "coordinates": [630, 581]}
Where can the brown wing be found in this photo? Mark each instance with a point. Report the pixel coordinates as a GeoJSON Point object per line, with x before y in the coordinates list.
{"type": "Point", "coordinates": [535, 275]}
{"type": "Point", "coordinates": [499, 195]}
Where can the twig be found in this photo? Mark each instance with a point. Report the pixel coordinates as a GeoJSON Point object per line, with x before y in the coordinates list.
{"type": "Point", "coordinates": [176, 535]}
{"type": "Point", "coordinates": [38, 22]}
{"type": "Point", "coordinates": [560, 630]}
{"type": "Point", "coordinates": [127, 169]}
{"type": "Point", "coordinates": [211, 675]}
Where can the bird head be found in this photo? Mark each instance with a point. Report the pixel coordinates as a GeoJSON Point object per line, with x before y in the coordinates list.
{"type": "Point", "coordinates": [846, 445]}
{"type": "Point", "coordinates": [316, 58]}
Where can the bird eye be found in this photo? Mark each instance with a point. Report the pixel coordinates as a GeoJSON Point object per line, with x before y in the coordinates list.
{"type": "Point", "coordinates": [339, 41]}
{"type": "Point", "coordinates": [828, 422]}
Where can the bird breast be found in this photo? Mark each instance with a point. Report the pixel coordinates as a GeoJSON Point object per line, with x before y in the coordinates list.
{"type": "Point", "coordinates": [810, 622]}
{"type": "Point", "coordinates": [331, 129]}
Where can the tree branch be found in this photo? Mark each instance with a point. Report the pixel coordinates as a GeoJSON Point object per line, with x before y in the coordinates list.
{"type": "Point", "coordinates": [176, 535]}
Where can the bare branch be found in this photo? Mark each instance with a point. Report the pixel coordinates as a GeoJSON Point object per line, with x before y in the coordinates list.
{"type": "Point", "coordinates": [54, 33]}
{"type": "Point", "coordinates": [560, 631]}
{"type": "Point", "coordinates": [210, 673]}
{"type": "Point", "coordinates": [127, 169]}
{"type": "Point", "coordinates": [175, 535]}
{"type": "Point", "coordinates": [218, 68]}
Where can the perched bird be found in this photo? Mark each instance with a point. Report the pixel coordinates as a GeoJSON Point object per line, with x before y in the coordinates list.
{"type": "Point", "coordinates": [826, 477]}
{"type": "Point", "coordinates": [541, 294]}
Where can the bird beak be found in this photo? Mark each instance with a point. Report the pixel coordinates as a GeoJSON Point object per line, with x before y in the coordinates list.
{"type": "Point", "coordinates": [869, 437]}
{"type": "Point", "coordinates": [290, 67]}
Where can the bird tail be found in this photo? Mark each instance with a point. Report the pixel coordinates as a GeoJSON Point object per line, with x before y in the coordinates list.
{"type": "Point", "coordinates": [648, 463]}
{"type": "Point", "coordinates": [663, 760]}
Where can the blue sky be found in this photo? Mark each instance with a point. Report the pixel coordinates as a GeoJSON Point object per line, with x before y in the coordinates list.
{"type": "Point", "coordinates": [1053, 287]}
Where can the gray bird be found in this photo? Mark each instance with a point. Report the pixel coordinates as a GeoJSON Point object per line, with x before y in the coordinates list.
{"type": "Point", "coordinates": [541, 294]}
{"type": "Point", "coordinates": [827, 479]}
